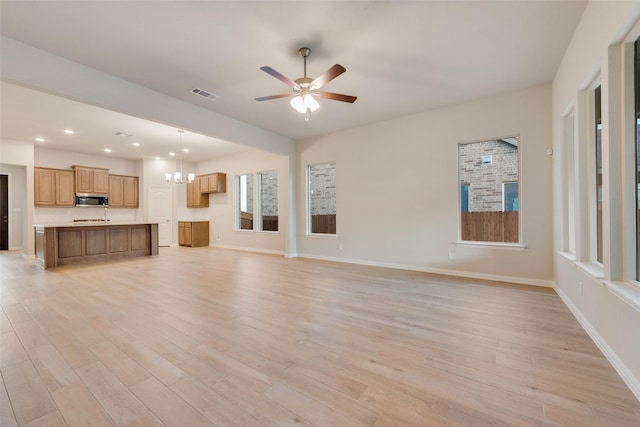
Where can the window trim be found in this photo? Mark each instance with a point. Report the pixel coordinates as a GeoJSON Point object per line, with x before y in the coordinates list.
{"type": "Point", "coordinates": [308, 231]}
{"type": "Point", "coordinates": [259, 227]}
{"type": "Point", "coordinates": [569, 188]}
{"type": "Point", "coordinates": [237, 203]}
{"type": "Point", "coordinates": [588, 147]}
{"type": "Point", "coordinates": [597, 191]}
{"type": "Point", "coordinates": [520, 244]}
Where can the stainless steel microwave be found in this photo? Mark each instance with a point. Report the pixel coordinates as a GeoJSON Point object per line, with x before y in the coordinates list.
{"type": "Point", "coordinates": [90, 199]}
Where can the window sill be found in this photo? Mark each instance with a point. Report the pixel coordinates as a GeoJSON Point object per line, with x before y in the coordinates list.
{"type": "Point", "coordinates": [491, 245]}
{"type": "Point", "coordinates": [321, 236]}
{"type": "Point", "coordinates": [238, 230]}
{"type": "Point", "coordinates": [267, 232]}
{"type": "Point", "coordinates": [569, 256]}
{"type": "Point", "coordinates": [591, 269]}
{"type": "Point", "coordinates": [627, 292]}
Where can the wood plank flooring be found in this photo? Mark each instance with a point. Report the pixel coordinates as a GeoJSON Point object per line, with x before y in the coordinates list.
{"type": "Point", "coordinates": [211, 337]}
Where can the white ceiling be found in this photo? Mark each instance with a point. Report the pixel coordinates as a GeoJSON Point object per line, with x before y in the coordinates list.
{"type": "Point", "coordinates": [402, 58]}
{"type": "Point", "coordinates": [27, 114]}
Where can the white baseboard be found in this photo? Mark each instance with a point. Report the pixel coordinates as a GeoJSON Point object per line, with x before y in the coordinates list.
{"type": "Point", "coordinates": [625, 373]}
{"type": "Point", "coordinates": [446, 272]}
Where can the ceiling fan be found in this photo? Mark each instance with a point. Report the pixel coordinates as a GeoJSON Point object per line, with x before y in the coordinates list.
{"type": "Point", "coordinates": [305, 88]}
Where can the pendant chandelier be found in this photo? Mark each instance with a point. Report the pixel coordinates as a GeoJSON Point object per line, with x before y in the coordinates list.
{"type": "Point", "coordinates": [178, 177]}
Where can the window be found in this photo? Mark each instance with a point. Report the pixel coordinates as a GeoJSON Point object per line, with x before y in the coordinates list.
{"type": "Point", "coordinates": [321, 198]}
{"type": "Point", "coordinates": [489, 195]}
{"type": "Point", "coordinates": [244, 202]}
{"type": "Point", "coordinates": [637, 157]}
{"type": "Point", "coordinates": [598, 172]}
{"type": "Point", "coordinates": [268, 201]}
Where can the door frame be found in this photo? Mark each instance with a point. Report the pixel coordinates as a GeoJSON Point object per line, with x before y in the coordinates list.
{"type": "Point", "coordinates": [9, 209]}
{"type": "Point", "coordinates": [171, 222]}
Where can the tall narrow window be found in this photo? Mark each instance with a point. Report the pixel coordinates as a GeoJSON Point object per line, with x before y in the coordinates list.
{"type": "Point", "coordinates": [244, 202]}
{"type": "Point", "coordinates": [489, 199]}
{"type": "Point", "coordinates": [321, 198]}
{"type": "Point", "coordinates": [268, 201]}
{"type": "Point", "coordinates": [598, 157]}
{"type": "Point", "coordinates": [637, 186]}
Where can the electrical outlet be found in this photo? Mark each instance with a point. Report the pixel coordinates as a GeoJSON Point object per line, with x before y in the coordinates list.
{"type": "Point", "coordinates": [340, 246]}
{"type": "Point", "coordinates": [217, 237]}
{"type": "Point", "coordinates": [452, 255]}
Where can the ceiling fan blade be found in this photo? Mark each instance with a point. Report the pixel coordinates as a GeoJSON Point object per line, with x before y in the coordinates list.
{"type": "Point", "coordinates": [278, 76]}
{"type": "Point", "coordinates": [327, 76]}
{"type": "Point", "coordinates": [266, 98]}
{"type": "Point", "coordinates": [338, 97]}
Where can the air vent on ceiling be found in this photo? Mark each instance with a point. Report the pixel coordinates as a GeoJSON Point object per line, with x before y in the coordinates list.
{"type": "Point", "coordinates": [204, 93]}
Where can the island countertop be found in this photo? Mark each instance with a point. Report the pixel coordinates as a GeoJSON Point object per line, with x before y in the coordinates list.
{"type": "Point", "coordinates": [91, 223]}
{"type": "Point", "coordinates": [73, 243]}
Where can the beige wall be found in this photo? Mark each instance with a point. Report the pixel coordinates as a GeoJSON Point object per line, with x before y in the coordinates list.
{"type": "Point", "coordinates": [16, 158]}
{"type": "Point", "coordinates": [397, 185]}
{"type": "Point", "coordinates": [222, 207]}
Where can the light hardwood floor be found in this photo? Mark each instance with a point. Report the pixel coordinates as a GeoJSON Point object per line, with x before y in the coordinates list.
{"type": "Point", "coordinates": [203, 336]}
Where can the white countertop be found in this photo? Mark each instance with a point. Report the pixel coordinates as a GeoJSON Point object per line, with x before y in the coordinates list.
{"type": "Point", "coordinates": [92, 224]}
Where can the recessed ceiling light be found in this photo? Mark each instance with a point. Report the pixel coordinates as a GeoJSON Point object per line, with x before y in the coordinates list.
{"type": "Point", "coordinates": [186, 150]}
{"type": "Point", "coordinates": [136, 144]}
{"type": "Point", "coordinates": [40, 139]}
{"type": "Point", "coordinates": [172, 154]}
{"type": "Point", "coordinates": [124, 135]}
{"type": "Point", "coordinates": [107, 150]}
{"type": "Point", "coordinates": [69, 131]}
{"type": "Point", "coordinates": [157, 158]}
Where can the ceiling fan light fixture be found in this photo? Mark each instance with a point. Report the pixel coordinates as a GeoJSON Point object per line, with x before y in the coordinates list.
{"type": "Point", "coordinates": [305, 88]}
{"type": "Point", "coordinates": [304, 103]}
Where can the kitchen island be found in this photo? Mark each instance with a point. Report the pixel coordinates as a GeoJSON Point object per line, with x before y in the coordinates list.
{"type": "Point", "coordinates": [64, 244]}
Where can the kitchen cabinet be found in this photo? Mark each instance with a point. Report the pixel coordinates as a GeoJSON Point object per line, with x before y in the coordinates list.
{"type": "Point", "coordinates": [195, 198]}
{"type": "Point", "coordinates": [91, 180]}
{"type": "Point", "coordinates": [77, 244]}
{"type": "Point", "coordinates": [123, 191]}
{"type": "Point", "coordinates": [193, 233]}
{"type": "Point", "coordinates": [213, 182]}
{"type": "Point", "coordinates": [54, 188]}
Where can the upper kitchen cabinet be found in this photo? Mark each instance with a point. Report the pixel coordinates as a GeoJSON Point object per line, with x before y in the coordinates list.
{"type": "Point", "coordinates": [123, 191]}
{"type": "Point", "coordinates": [91, 180]}
{"type": "Point", "coordinates": [54, 187]}
{"type": "Point", "coordinates": [195, 197]}
{"type": "Point", "coordinates": [213, 183]}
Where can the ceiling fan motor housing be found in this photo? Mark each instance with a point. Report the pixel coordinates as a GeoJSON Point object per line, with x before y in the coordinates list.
{"type": "Point", "coordinates": [304, 52]}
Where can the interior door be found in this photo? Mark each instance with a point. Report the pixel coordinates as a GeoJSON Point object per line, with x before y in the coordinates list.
{"type": "Point", "coordinates": [4, 212]}
{"type": "Point", "coordinates": [160, 208]}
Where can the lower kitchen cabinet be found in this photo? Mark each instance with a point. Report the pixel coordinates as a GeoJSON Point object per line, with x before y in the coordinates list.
{"type": "Point", "coordinates": [193, 233]}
